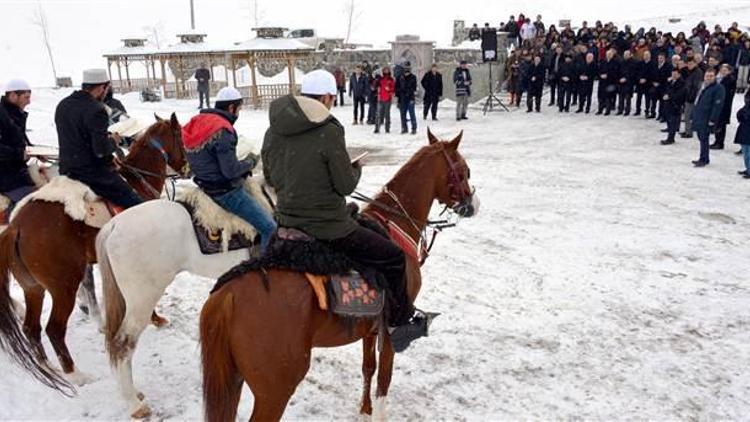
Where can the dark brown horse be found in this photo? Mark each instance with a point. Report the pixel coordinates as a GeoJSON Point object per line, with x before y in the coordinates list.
{"type": "Point", "coordinates": [264, 337]}
{"type": "Point", "coordinates": [46, 250]}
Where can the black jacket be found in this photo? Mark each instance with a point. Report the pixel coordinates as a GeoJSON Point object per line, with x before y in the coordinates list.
{"type": "Point", "coordinates": [644, 71]}
{"type": "Point", "coordinates": [730, 87]}
{"type": "Point", "coordinates": [203, 76]}
{"type": "Point", "coordinates": [708, 106]}
{"type": "Point", "coordinates": [536, 79]}
{"type": "Point", "coordinates": [13, 142]}
{"type": "Point", "coordinates": [406, 87]}
{"type": "Point", "coordinates": [611, 70]}
{"type": "Point", "coordinates": [660, 75]}
{"type": "Point", "coordinates": [359, 87]}
{"type": "Point", "coordinates": [677, 93]}
{"type": "Point", "coordinates": [693, 83]}
{"type": "Point", "coordinates": [590, 70]}
{"type": "Point", "coordinates": [567, 70]}
{"type": "Point", "coordinates": [629, 71]}
{"type": "Point", "coordinates": [743, 130]}
{"type": "Point", "coordinates": [85, 146]}
{"type": "Point", "coordinates": [554, 65]}
{"type": "Point", "coordinates": [432, 85]}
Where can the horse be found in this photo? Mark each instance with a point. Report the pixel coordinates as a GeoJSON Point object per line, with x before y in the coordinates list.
{"type": "Point", "coordinates": [47, 250]}
{"type": "Point", "coordinates": [135, 278]}
{"type": "Point", "coordinates": [262, 332]}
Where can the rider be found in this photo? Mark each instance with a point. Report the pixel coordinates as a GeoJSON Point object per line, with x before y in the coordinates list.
{"type": "Point", "coordinates": [305, 160]}
{"type": "Point", "coordinates": [85, 146]}
{"type": "Point", "coordinates": [211, 144]}
{"type": "Point", "coordinates": [15, 181]}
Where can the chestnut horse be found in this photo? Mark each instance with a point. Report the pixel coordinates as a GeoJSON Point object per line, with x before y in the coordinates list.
{"type": "Point", "coordinates": [264, 335]}
{"type": "Point", "coordinates": [46, 250]}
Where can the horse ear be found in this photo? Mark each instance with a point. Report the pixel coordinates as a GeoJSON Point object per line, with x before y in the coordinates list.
{"type": "Point", "coordinates": [431, 137]}
{"type": "Point", "coordinates": [158, 119]}
{"type": "Point", "coordinates": [173, 121]}
{"type": "Point", "coordinates": [457, 140]}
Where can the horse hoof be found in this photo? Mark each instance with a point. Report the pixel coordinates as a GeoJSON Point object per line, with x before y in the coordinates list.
{"type": "Point", "coordinates": [142, 412]}
{"type": "Point", "coordinates": [140, 396]}
{"type": "Point", "coordinates": [379, 412]}
{"type": "Point", "coordinates": [159, 321]}
{"type": "Point", "coordinates": [78, 378]}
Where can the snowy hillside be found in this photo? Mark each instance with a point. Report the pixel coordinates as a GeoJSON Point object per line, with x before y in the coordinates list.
{"type": "Point", "coordinates": [604, 279]}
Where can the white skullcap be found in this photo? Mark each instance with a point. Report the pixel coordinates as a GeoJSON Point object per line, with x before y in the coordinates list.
{"type": "Point", "coordinates": [319, 82]}
{"type": "Point", "coordinates": [95, 76]}
{"type": "Point", "coordinates": [17, 85]}
{"type": "Point", "coordinates": [228, 94]}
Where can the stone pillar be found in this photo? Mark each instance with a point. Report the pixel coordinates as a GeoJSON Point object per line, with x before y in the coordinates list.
{"type": "Point", "coordinates": [419, 53]}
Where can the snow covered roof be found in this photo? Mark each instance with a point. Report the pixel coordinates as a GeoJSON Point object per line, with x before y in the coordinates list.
{"type": "Point", "coordinates": [270, 44]}
{"type": "Point", "coordinates": [132, 51]}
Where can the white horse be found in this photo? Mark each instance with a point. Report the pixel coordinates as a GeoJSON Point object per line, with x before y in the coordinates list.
{"type": "Point", "coordinates": [135, 275]}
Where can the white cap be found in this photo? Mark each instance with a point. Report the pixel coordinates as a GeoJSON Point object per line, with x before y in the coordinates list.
{"type": "Point", "coordinates": [17, 85]}
{"type": "Point", "coordinates": [95, 76]}
{"type": "Point", "coordinates": [319, 82]}
{"type": "Point", "coordinates": [228, 94]}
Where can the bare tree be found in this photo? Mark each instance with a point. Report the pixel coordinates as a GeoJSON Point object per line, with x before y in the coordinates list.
{"type": "Point", "coordinates": [153, 33]}
{"type": "Point", "coordinates": [40, 20]}
{"type": "Point", "coordinates": [352, 15]}
{"type": "Point", "coordinates": [256, 13]}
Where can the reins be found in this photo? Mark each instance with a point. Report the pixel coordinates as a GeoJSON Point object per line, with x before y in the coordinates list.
{"type": "Point", "coordinates": [140, 173]}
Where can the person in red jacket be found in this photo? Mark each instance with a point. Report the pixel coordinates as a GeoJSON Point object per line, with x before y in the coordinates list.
{"type": "Point", "coordinates": [340, 76]}
{"type": "Point", "coordinates": [386, 88]}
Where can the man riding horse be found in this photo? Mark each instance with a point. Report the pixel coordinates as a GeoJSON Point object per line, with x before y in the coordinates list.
{"type": "Point", "coordinates": [211, 144]}
{"type": "Point", "coordinates": [86, 147]}
{"type": "Point", "coordinates": [306, 161]}
{"type": "Point", "coordinates": [15, 181]}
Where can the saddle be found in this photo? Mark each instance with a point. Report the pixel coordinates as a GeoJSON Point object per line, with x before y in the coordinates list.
{"type": "Point", "coordinates": [340, 286]}
{"type": "Point", "coordinates": [79, 201]}
{"type": "Point", "coordinates": [216, 229]}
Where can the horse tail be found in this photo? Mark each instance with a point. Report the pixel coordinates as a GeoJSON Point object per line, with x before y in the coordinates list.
{"type": "Point", "coordinates": [12, 339]}
{"type": "Point", "coordinates": [114, 302]}
{"type": "Point", "coordinates": [222, 385]}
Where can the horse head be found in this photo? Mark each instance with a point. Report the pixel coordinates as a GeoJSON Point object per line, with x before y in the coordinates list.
{"type": "Point", "coordinates": [168, 139]}
{"type": "Point", "coordinates": [453, 175]}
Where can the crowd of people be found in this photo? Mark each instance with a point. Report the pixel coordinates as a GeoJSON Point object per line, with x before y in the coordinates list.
{"type": "Point", "coordinates": [673, 78]}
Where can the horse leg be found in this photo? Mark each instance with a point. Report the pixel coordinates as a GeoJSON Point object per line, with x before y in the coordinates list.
{"type": "Point", "coordinates": [273, 384]}
{"type": "Point", "coordinates": [385, 372]}
{"type": "Point", "coordinates": [369, 362]}
{"type": "Point", "coordinates": [63, 302]}
{"type": "Point", "coordinates": [87, 297]}
{"type": "Point", "coordinates": [32, 326]}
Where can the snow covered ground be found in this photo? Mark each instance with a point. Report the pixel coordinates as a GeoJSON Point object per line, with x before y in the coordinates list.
{"type": "Point", "coordinates": [605, 278]}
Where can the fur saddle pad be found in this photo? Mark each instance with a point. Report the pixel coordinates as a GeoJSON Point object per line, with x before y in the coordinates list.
{"type": "Point", "coordinates": [339, 284]}
{"type": "Point", "coordinates": [217, 229]}
{"type": "Point", "coordinates": [79, 201]}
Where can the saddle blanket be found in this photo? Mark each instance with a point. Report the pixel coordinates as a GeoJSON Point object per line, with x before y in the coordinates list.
{"type": "Point", "coordinates": [217, 230]}
{"type": "Point", "coordinates": [79, 201]}
{"type": "Point", "coordinates": [348, 295]}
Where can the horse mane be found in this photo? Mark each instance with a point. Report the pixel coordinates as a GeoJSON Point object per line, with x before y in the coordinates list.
{"type": "Point", "coordinates": [407, 170]}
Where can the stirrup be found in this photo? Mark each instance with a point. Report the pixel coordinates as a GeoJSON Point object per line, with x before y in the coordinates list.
{"type": "Point", "coordinates": [417, 327]}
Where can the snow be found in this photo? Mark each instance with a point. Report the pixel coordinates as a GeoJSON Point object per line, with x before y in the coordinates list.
{"type": "Point", "coordinates": [604, 279]}
{"type": "Point", "coordinates": [270, 44]}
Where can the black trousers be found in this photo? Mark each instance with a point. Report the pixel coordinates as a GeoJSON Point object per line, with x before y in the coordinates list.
{"type": "Point", "coordinates": [371, 250]}
{"type": "Point", "coordinates": [574, 90]}
{"type": "Point", "coordinates": [654, 101]}
{"type": "Point", "coordinates": [585, 92]}
{"type": "Point", "coordinates": [430, 105]}
{"type": "Point", "coordinates": [339, 99]}
{"type": "Point", "coordinates": [606, 99]}
{"type": "Point", "coordinates": [553, 84]}
{"type": "Point", "coordinates": [720, 133]}
{"type": "Point", "coordinates": [564, 93]}
{"type": "Point", "coordinates": [372, 109]}
{"type": "Point", "coordinates": [359, 108]}
{"type": "Point", "coordinates": [109, 185]}
{"type": "Point", "coordinates": [673, 122]}
{"type": "Point", "coordinates": [625, 100]}
{"type": "Point", "coordinates": [201, 95]}
{"type": "Point", "coordinates": [534, 95]}
{"type": "Point", "coordinates": [641, 91]}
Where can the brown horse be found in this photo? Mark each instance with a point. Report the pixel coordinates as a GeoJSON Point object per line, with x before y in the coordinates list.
{"type": "Point", "coordinates": [264, 336]}
{"type": "Point", "coordinates": [47, 250]}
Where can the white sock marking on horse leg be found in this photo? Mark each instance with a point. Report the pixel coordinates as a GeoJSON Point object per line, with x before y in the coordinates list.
{"type": "Point", "coordinates": [379, 411]}
{"type": "Point", "coordinates": [78, 378]}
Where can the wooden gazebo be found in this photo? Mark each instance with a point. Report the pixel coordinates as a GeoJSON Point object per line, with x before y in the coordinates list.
{"type": "Point", "coordinates": [192, 51]}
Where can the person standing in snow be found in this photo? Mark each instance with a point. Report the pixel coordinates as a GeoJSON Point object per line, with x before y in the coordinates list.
{"type": "Point", "coordinates": [536, 85]}
{"type": "Point", "coordinates": [462, 82]}
{"type": "Point", "coordinates": [203, 76]}
{"type": "Point", "coordinates": [727, 80]}
{"type": "Point", "coordinates": [432, 83]}
{"type": "Point", "coordinates": [359, 89]}
{"type": "Point", "coordinates": [674, 99]}
{"type": "Point", "coordinates": [706, 113]}
{"type": "Point", "coordinates": [406, 90]}
{"type": "Point", "coordinates": [340, 76]}
{"type": "Point", "coordinates": [743, 135]}
{"type": "Point", "coordinates": [586, 75]}
{"type": "Point", "coordinates": [386, 86]}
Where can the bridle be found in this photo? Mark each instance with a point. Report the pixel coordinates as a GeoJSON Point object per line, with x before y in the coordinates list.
{"type": "Point", "coordinates": [140, 174]}
{"type": "Point", "coordinates": [459, 193]}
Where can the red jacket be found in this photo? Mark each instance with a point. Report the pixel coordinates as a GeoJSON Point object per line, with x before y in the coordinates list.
{"type": "Point", "coordinates": [386, 88]}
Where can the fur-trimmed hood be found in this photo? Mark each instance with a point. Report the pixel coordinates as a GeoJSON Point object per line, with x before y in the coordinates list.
{"type": "Point", "coordinates": [292, 115]}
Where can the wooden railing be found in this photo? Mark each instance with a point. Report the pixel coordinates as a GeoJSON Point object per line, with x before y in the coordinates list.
{"type": "Point", "coordinates": [136, 85]}
{"type": "Point", "coordinates": [266, 93]}
{"type": "Point", "coordinates": [190, 89]}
